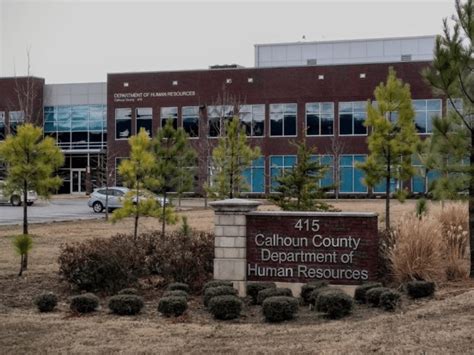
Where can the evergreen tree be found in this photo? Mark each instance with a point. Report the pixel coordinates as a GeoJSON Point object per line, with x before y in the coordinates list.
{"type": "Point", "coordinates": [173, 155]}
{"type": "Point", "coordinates": [136, 172]}
{"type": "Point", "coordinates": [299, 188]}
{"type": "Point", "coordinates": [23, 244]}
{"type": "Point", "coordinates": [451, 75]}
{"type": "Point", "coordinates": [230, 158]}
{"type": "Point", "coordinates": [392, 140]}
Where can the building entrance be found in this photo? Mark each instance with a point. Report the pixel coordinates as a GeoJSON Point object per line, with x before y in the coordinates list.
{"type": "Point", "coordinates": [78, 180]}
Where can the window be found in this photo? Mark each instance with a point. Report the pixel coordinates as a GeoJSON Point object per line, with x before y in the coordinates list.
{"type": "Point", "coordinates": [351, 118]}
{"type": "Point", "coordinates": [283, 120]}
{"type": "Point", "coordinates": [319, 118]}
{"type": "Point", "coordinates": [190, 115]}
{"type": "Point", "coordinates": [16, 118]}
{"type": "Point", "coordinates": [278, 165]}
{"type": "Point", "coordinates": [144, 117]}
{"type": "Point", "coordinates": [425, 111]}
{"type": "Point", "coordinates": [2, 125]}
{"type": "Point", "coordinates": [255, 176]}
{"type": "Point", "coordinates": [169, 113]}
{"type": "Point", "coordinates": [351, 178]}
{"type": "Point", "coordinates": [123, 123]}
{"type": "Point", "coordinates": [252, 118]}
{"type": "Point", "coordinates": [380, 187]}
{"type": "Point", "coordinates": [217, 117]}
{"type": "Point", "coordinates": [328, 161]}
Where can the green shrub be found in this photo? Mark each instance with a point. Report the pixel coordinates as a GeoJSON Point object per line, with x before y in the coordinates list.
{"type": "Point", "coordinates": [279, 308]}
{"type": "Point", "coordinates": [272, 292]}
{"type": "Point", "coordinates": [361, 290]}
{"type": "Point", "coordinates": [335, 303]}
{"type": "Point", "coordinates": [126, 304]}
{"type": "Point", "coordinates": [128, 291]}
{"type": "Point", "coordinates": [46, 302]}
{"type": "Point", "coordinates": [85, 303]}
{"type": "Point", "coordinates": [176, 293]}
{"type": "Point", "coordinates": [419, 289]}
{"type": "Point", "coordinates": [310, 287]}
{"type": "Point", "coordinates": [172, 306]}
{"type": "Point", "coordinates": [389, 300]}
{"type": "Point", "coordinates": [372, 296]}
{"type": "Point", "coordinates": [178, 286]}
{"type": "Point", "coordinates": [225, 307]}
{"type": "Point", "coordinates": [313, 296]}
{"type": "Point", "coordinates": [218, 291]}
{"type": "Point", "coordinates": [217, 283]}
{"type": "Point", "coordinates": [255, 287]}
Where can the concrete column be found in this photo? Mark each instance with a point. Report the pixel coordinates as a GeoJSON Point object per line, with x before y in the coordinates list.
{"type": "Point", "coordinates": [230, 245]}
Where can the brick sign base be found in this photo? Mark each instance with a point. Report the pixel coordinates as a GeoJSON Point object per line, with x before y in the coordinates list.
{"type": "Point", "coordinates": [341, 248]}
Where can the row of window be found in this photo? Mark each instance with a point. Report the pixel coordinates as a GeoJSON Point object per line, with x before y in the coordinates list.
{"type": "Point", "coordinates": [319, 118]}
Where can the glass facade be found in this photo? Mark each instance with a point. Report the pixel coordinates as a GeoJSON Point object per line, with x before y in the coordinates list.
{"type": "Point", "coordinates": [252, 118]}
{"type": "Point", "coordinates": [328, 161]}
{"type": "Point", "coordinates": [425, 112]}
{"type": "Point", "coordinates": [351, 178]}
{"type": "Point", "coordinates": [77, 127]}
{"type": "Point", "coordinates": [144, 117]}
{"type": "Point", "coordinates": [351, 118]}
{"type": "Point", "coordinates": [319, 118]}
{"type": "Point", "coordinates": [283, 120]}
{"type": "Point", "coordinates": [217, 116]}
{"type": "Point", "coordinates": [190, 116]}
{"type": "Point", "coordinates": [255, 176]}
{"type": "Point", "coordinates": [16, 118]}
{"type": "Point", "coordinates": [278, 165]}
{"type": "Point", "coordinates": [169, 113]}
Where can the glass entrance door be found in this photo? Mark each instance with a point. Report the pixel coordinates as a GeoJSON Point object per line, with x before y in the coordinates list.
{"type": "Point", "coordinates": [78, 180]}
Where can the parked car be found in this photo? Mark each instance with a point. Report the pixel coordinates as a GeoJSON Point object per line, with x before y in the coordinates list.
{"type": "Point", "coordinates": [97, 200]}
{"type": "Point", "coordinates": [16, 198]}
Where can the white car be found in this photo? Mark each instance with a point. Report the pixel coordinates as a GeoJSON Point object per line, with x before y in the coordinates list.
{"type": "Point", "coordinates": [16, 198]}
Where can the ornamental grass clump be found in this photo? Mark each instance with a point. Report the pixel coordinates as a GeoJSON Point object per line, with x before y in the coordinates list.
{"type": "Point", "coordinates": [308, 288]}
{"type": "Point", "coordinates": [361, 291]}
{"type": "Point", "coordinates": [390, 300]}
{"type": "Point", "coordinates": [176, 293]}
{"type": "Point", "coordinates": [172, 306]}
{"type": "Point", "coordinates": [279, 308]}
{"type": "Point", "coordinates": [126, 304]}
{"type": "Point", "coordinates": [178, 286]}
{"type": "Point", "coordinates": [255, 287]}
{"type": "Point", "coordinates": [216, 283]}
{"type": "Point", "coordinates": [272, 292]}
{"type": "Point", "coordinates": [46, 302]}
{"type": "Point", "coordinates": [218, 291]}
{"type": "Point", "coordinates": [420, 289]}
{"type": "Point", "coordinates": [85, 303]}
{"type": "Point", "coordinates": [372, 296]}
{"type": "Point", "coordinates": [225, 307]}
{"type": "Point", "coordinates": [334, 303]}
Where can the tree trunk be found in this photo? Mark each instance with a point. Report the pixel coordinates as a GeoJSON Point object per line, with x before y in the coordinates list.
{"type": "Point", "coordinates": [25, 221]}
{"type": "Point", "coordinates": [471, 206]}
{"type": "Point", "coordinates": [387, 195]}
{"type": "Point", "coordinates": [163, 222]}
{"type": "Point", "coordinates": [137, 213]}
{"type": "Point", "coordinates": [21, 266]}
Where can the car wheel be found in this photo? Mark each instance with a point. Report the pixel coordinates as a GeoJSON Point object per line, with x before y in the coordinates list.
{"type": "Point", "coordinates": [97, 207]}
{"type": "Point", "coordinates": [15, 200]}
{"type": "Point", "coordinates": [29, 203]}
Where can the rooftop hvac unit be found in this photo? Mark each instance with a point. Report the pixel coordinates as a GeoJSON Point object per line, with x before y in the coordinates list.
{"type": "Point", "coordinates": [312, 62]}
{"type": "Point", "coordinates": [406, 57]}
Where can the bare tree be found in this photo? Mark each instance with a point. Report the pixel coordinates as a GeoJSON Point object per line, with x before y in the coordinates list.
{"type": "Point", "coordinates": [336, 149]}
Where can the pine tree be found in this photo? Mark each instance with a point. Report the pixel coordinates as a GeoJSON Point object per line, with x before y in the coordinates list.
{"type": "Point", "coordinates": [173, 156]}
{"type": "Point", "coordinates": [392, 140]}
{"type": "Point", "coordinates": [299, 188]}
{"type": "Point", "coordinates": [23, 244]}
{"type": "Point", "coordinates": [451, 75]}
{"type": "Point", "coordinates": [230, 158]}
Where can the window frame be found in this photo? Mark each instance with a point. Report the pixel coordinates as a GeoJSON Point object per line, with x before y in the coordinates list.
{"type": "Point", "coordinates": [283, 121]}
{"type": "Point", "coordinates": [284, 167]}
{"type": "Point", "coordinates": [252, 106]}
{"type": "Point", "coordinates": [129, 119]}
{"type": "Point", "coordinates": [352, 113]}
{"type": "Point", "coordinates": [198, 121]}
{"type": "Point", "coordinates": [251, 168]}
{"type": "Point", "coordinates": [144, 119]}
{"type": "Point", "coordinates": [427, 116]}
{"type": "Point", "coordinates": [320, 112]}
{"type": "Point", "coordinates": [222, 118]}
{"type": "Point", "coordinates": [167, 118]}
{"type": "Point", "coordinates": [353, 175]}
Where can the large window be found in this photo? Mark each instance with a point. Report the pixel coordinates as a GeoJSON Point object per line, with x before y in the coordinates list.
{"type": "Point", "coordinates": [425, 112]}
{"type": "Point", "coordinates": [252, 118]}
{"type": "Point", "coordinates": [169, 113]}
{"type": "Point", "coordinates": [283, 120]}
{"type": "Point", "coordinates": [190, 115]}
{"type": "Point", "coordinates": [351, 118]}
{"type": "Point", "coordinates": [16, 119]}
{"type": "Point", "coordinates": [351, 178]}
{"type": "Point", "coordinates": [2, 125]}
{"type": "Point", "coordinates": [255, 176]}
{"type": "Point", "coordinates": [278, 165]}
{"type": "Point", "coordinates": [327, 161]}
{"type": "Point", "coordinates": [144, 117]}
{"type": "Point", "coordinates": [217, 116]}
{"type": "Point", "coordinates": [123, 123]}
{"type": "Point", "coordinates": [319, 118]}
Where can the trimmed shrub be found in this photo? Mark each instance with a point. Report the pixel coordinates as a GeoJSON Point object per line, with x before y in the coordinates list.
{"type": "Point", "coordinates": [361, 291]}
{"type": "Point", "coordinates": [313, 296]}
{"type": "Point", "coordinates": [46, 302]}
{"type": "Point", "coordinates": [178, 286]}
{"type": "Point", "coordinates": [372, 296]}
{"type": "Point", "coordinates": [272, 292]}
{"type": "Point", "coordinates": [310, 287]}
{"type": "Point", "coordinates": [85, 303]}
{"type": "Point", "coordinates": [126, 305]}
{"type": "Point", "coordinates": [128, 291]}
{"type": "Point", "coordinates": [217, 283]}
{"type": "Point", "coordinates": [390, 299]}
{"type": "Point", "coordinates": [225, 307]}
{"type": "Point", "coordinates": [279, 308]}
{"type": "Point", "coordinates": [218, 291]}
{"type": "Point", "coordinates": [419, 289]}
{"type": "Point", "coordinates": [176, 293]}
{"type": "Point", "coordinates": [172, 306]}
{"type": "Point", "coordinates": [255, 287]}
{"type": "Point", "coordinates": [334, 302]}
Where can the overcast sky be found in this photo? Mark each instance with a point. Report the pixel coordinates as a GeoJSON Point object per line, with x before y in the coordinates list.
{"type": "Point", "coordinates": [81, 41]}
